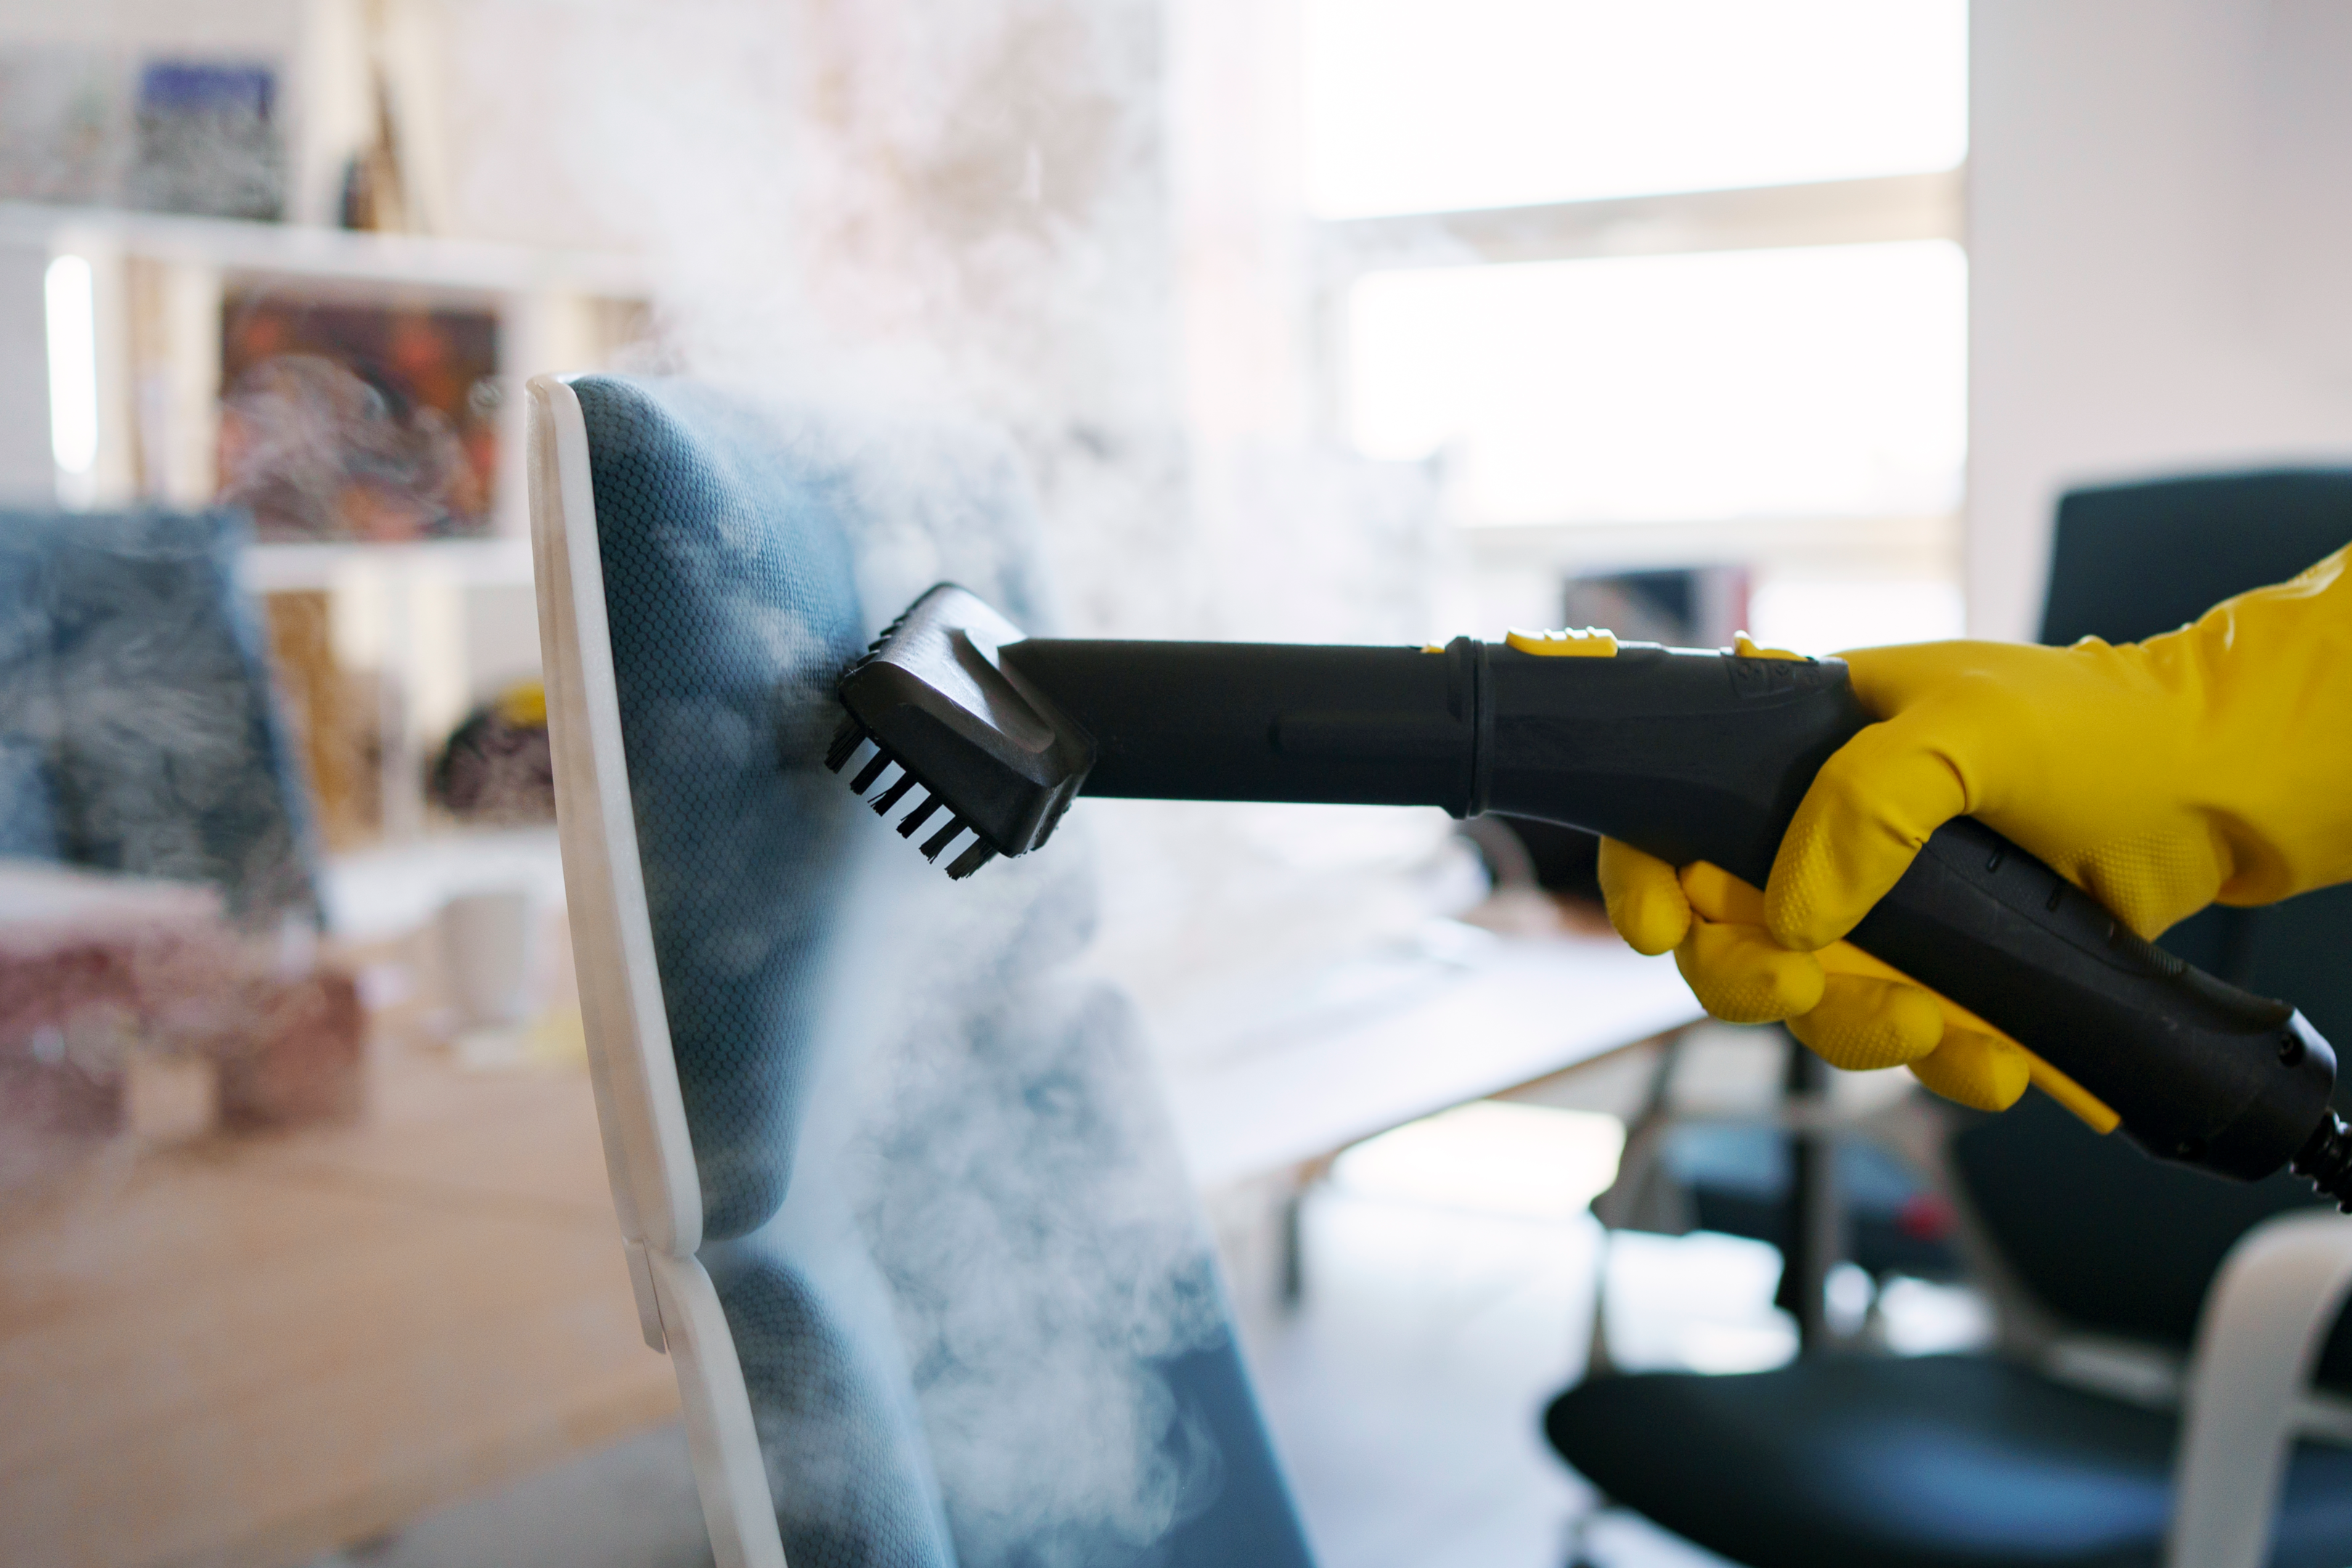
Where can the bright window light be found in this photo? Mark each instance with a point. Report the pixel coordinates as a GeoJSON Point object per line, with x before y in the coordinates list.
{"type": "Point", "coordinates": [73, 366]}
{"type": "Point", "coordinates": [1815, 382]}
{"type": "Point", "coordinates": [1833, 616]}
{"type": "Point", "coordinates": [1430, 105]}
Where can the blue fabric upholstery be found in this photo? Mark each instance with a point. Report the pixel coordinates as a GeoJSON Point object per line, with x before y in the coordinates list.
{"type": "Point", "coordinates": [975, 1308]}
{"type": "Point", "coordinates": [28, 705]}
{"type": "Point", "coordinates": [137, 729]}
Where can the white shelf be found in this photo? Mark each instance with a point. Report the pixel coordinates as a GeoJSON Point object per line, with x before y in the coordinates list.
{"type": "Point", "coordinates": [330, 254]}
{"type": "Point", "coordinates": [499, 562]}
{"type": "Point", "coordinates": [393, 889]}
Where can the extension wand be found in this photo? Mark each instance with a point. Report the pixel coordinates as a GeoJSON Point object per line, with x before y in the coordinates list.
{"type": "Point", "coordinates": [1687, 755]}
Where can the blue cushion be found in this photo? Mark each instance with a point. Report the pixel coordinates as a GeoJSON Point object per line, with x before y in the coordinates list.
{"type": "Point", "coordinates": [974, 1303]}
{"type": "Point", "coordinates": [141, 734]}
{"type": "Point", "coordinates": [28, 703]}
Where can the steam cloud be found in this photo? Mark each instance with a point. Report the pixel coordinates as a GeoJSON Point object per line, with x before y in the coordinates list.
{"type": "Point", "coordinates": [1018, 1190]}
{"type": "Point", "coordinates": [947, 210]}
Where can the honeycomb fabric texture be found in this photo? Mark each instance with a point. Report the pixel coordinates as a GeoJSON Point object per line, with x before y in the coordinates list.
{"type": "Point", "coordinates": [972, 1298]}
{"type": "Point", "coordinates": [137, 729]}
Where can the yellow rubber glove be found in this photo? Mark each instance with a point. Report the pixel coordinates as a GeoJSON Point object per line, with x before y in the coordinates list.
{"type": "Point", "coordinates": [2207, 764]}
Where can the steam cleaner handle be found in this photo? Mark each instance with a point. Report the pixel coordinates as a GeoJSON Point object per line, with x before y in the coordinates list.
{"type": "Point", "coordinates": [1702, 755]}
{"type": "Point", "coordinates": [2199, 1071]}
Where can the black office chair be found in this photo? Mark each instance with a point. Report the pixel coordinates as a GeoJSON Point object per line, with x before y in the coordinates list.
{"type": "Point", "coordinates": [1991, 1461]}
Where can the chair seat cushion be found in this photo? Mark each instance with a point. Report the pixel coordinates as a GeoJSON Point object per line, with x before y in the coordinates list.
{"type": "Point", "coordinates": [1935, 1462]}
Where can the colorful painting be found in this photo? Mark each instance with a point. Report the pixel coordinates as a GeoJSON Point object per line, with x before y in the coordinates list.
{"type": "Point", "coordinates": [348, 420]}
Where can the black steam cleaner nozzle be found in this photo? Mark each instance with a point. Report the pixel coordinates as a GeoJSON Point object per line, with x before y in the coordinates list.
{"type": "Point", "coordinates": [2325, 1161]}
{"type": "Point", "coordinates": [932, 698]}
{"type": "Point", "coordinates": [1690, 754]}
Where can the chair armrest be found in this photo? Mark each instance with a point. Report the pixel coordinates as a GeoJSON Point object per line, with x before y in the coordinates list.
{"type": "Point", "coordinates": [2277, 1294]}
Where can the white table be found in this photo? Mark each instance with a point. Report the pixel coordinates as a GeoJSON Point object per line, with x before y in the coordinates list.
{"type": "Point", "coordinates": [1384, 1042]}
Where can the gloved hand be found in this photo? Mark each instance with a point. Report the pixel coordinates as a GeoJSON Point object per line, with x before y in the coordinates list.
{"type": "Point", "coordinates": [2212, 763]}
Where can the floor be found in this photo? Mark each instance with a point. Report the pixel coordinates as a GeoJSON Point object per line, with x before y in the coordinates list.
{"type": "Point", "coordinates": [1403, 1392]}
{"type": "Point", "coordinates": [219, 1353]}
{"type": "Point", "coordinates": [244, 1351]}
{"type": "Point", "coordinates": [1405, 1386]}
{"type": "Point", "coordinates": [629, 1505]}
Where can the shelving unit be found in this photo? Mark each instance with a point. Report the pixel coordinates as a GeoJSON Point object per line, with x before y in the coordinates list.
{"type": "Point", "coordinates": [158, 286]}
{"type": "Point", "coordinates": [432, 626]}
{"type": "Point", "coordinates": [501, 561]}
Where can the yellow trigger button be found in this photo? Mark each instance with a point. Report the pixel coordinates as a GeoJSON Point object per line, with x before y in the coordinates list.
{"type": "Point", "coordinates": [1574, 642]}
{"type": "Point", "coordinates": [1745, 647]}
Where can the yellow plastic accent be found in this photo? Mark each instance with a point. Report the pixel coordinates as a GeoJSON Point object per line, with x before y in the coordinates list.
{"type": "Point", "coordinates": [1718, 895]}
{"type": "Point", "coordinates": [1747, 647]}
{"type": "Point", "coordinates": [2088, 1108]}
{"type": "Point", "coordinates": [1572, 642]}
{"type": "Point", "coordinates": [1432, 647]}
{"type": "Point", "coordinates": [524, 704]}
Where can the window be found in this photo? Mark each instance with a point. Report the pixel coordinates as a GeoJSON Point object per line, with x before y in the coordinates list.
{"type": "Point", "coordinates": [1797, 381]}
{"type": "Point", "coordinates": [1687, 266]}
{"type": "Point", "coordinates": [1427, 105]}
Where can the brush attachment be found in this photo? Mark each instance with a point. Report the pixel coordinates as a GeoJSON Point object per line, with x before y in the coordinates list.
{"type": "Point", "coordinates": [937, 705]}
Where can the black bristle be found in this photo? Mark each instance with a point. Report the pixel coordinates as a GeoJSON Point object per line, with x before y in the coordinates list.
{"type": "Point", "coordinates": [870, 772]}
{"type": "Point", "coordinates": [844, 742]}
{"type": "Point", "coordinates": [887, 633]}
{"type": "Point", "coordinates": [894, 795]}
{"type": "Point", "coordinates": [979, 853]}
{"type": "Point", "coordinates": [916, 817]}
{"type": "Point", "coordinates": [938, 841]}
{"type": "Point", "coordinates": [2326, 1159]}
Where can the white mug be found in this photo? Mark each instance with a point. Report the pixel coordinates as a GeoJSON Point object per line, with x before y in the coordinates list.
{"type": "Point", "coordinates": [487, 950]}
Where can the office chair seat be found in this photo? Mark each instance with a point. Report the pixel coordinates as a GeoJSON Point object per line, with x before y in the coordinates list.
{"type": "Point", "coordinates": [1937, 1462]}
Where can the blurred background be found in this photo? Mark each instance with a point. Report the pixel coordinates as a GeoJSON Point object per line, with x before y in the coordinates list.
{"type": "Point", "coordinates": [1333, 320]}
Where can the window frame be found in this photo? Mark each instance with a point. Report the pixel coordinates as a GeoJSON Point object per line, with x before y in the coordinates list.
{"type": "Point", "coordinates": [1882, 208]}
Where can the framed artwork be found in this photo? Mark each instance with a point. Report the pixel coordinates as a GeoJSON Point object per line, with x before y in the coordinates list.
{"type": "Point", "coordinates": [355, 419]}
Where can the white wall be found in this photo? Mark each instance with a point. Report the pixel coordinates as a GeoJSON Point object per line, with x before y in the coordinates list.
{"type": "Point", "coordinates": [28, 474]}
{"type": "Point", "coordinates": [2161, 244]}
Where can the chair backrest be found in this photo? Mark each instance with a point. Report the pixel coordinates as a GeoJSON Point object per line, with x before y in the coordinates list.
{"type": "Point", "coordinates": [899, 1192]}
{"type": "Point", "coordinates": [2109, 1239]}
{"type": "Point", "coordinates": [138, 731]}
